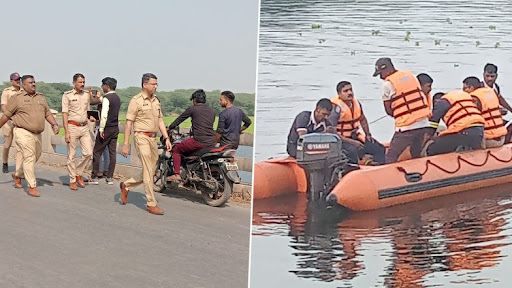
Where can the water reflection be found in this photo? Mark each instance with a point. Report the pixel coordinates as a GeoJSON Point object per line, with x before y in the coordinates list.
{"type": "Point", "coordinates": [452, 234]}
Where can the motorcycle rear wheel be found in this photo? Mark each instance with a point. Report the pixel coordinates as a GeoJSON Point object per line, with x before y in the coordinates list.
{"type": "Point", "coordinates": [221, 195]}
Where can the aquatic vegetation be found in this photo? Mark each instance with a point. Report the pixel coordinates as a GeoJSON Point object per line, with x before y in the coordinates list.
{"type": "Point", "coordinates": [321, 41]}
{"type": "Point", "coordinates": [455, 65]}
{"type": "Point", "coordinates": [316, 26]}
{"type": "Point", "coordinates": [492, 27]}
{"type": "Point", "coordinates": [300, 33]}
{"type": "Point", "coordinates": [477, 43]}
{"type": "Point", "coordinates": [352, 53]}
{"type": "Point", "coordinates": [437, 42]}
{"type": "Point", "coordinates": [449, 21]}
{"type": "Point", "coordinates": [497, 45]}
{"type": "Point", "coordinates": [407, 36]}
{"type": "Point", "coordinates": [417, 43]}
{"type": "Point", "coordinates": [375, 32]}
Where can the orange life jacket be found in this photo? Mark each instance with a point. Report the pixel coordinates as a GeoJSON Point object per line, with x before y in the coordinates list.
{"type": "Point", "coordinates": [494, 127]}
{"type": "Point", "coordinates": [409, 103]}
{"type": "Point", "coordinates": [462, 114]}
{"type": "Point", "coordinates": [350, 119]}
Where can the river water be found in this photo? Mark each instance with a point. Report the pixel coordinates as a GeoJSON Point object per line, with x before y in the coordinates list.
{"type": "Point", "coordinates": [306, 48]}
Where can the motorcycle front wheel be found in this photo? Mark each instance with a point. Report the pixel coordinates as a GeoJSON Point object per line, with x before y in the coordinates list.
{"type": "Point", "coordinates": [219, 196]}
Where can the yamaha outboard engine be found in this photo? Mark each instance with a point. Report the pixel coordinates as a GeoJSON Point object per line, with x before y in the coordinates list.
{"type": "Point", "coordinates": [321, 155]}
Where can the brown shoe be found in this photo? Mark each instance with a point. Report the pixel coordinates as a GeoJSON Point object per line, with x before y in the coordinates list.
{"type": "Point", "coordinates": [80, 182]}
{"type": "Point", "coordinates": [17, 181]}
{"type": "Point", "coordinates": [33, 192]}
{"type": "Point", "coordinates": [73, 186]}
{"type": "Point", "coordinates": [155, 210]}
{"type": "Point", "coordinates": [124, 193]}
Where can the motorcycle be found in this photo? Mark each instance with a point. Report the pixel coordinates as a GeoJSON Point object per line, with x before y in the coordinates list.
{"type": "Point", "coordinates": [212, 172]}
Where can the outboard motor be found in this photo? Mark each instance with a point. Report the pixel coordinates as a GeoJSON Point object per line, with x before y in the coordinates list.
{"type": "Point", "coordinates": [321, 156]}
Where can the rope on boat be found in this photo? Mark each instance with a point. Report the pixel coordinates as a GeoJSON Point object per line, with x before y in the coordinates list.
{"type": "Point", "coordinates": [459, 160]}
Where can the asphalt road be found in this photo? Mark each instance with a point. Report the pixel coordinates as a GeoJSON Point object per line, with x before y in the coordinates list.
{"type": "Point", "coordinates": [87, 239]}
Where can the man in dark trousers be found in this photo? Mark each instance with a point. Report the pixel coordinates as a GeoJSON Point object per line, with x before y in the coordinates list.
{"type": "Point", "coordinates": [108, 130]}
{"type": "Point", "coordinates": [230, 126]}
{"type": "Point", "coordinates": [307, 122]}
{"type": "Point", "coordinates": [202, 132]}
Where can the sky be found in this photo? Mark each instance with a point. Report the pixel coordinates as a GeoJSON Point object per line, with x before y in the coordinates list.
{"type": "Point", "coordinates": [188, 44]}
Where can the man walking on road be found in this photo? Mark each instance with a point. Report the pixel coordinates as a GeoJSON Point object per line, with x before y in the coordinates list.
{"type": "Point", "coordinates": [108, 130]}
{"type": "Point", "coordinates": [28, 110]}
{"type": "Point", "coordinates": [145, 116]}
{"type": "Point", "coordinates": [7, 130]}
{"type": "Point", "coordinates": [75, 104]}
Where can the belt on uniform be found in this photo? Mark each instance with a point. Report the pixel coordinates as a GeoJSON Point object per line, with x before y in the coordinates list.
{"type": "Point", "coordinates": [149, 134]}
{"type": "Point", "coordinates": [77, 123]}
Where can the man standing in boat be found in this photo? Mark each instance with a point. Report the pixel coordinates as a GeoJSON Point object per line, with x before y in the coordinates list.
{"type": "Point", "coordinates": [487, 101]}
{"type": "Point", "coordinates": [351, 124]}
{"type": "Point", "coordinates": [407, 104]}
{"type": "Point", "coordinates": [465, 124]}
{"type": "Point", "coordinates": [307, 122]}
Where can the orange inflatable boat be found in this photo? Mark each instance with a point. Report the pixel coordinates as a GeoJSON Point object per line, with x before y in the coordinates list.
{"type": "Point", "coordinates": [373, 187]}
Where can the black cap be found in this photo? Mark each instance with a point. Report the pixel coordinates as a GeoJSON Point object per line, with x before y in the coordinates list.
{"type": "Point", "coordinates": [381, 64]}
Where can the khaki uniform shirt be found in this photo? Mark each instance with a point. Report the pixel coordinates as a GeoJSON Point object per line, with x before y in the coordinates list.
{"type": "Point", "coordinates": [28, 111]}
{"type": "Point", "coordinates": [76, 105]}
{"type": "Point", "coordinates": [145, 113]}
{"type": "Point", "coordinates": [7, 94]}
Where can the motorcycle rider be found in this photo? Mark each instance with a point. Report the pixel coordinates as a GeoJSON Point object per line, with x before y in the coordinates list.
{"type": "Point", "coordinates": [202, 133]}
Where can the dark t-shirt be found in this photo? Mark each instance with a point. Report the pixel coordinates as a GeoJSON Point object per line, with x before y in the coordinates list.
{"type": "Point", "coordinates": [303, 120]}
{"type": "Point", "coordinates": [203, 117]}
{"type": "Point", "coordinates": [230, 122]}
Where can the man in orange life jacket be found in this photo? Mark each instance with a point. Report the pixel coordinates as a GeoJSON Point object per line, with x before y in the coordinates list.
{"type": "Point", "coordinates": [404, 101]}
{"type": "Point", "coordinates": [487, 101]}
{"type": "Point", "coordinates": [307, 122]}
{"type": "Point", "coordinates": [490, 76]}
{"type": "Point", "coordinates": [352, 125]}
{"type": "Point", "coordinates": [464, 122]}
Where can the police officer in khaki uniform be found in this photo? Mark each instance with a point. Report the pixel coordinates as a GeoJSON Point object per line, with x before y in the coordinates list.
{"type": "Point", "coordinates": [145, 116]}
{"type": "Point", "coordinates": [75, 104]}
{"type": "Point", "coordinates": [7, 129]}
{"type": "Point", "coordinates": [28, 109]}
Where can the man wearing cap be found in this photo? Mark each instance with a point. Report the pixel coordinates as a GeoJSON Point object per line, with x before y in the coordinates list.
{"type": "Point", "coordinates": [75, 104]}
{"type": "Point", "coordinates": [28, 111]}
{"type": "Point", "coordinates": [407, 104]}
{"type": "Point", "coordinates": [145, 116]}
{"type": "Point", "coordinates": [7, 129]}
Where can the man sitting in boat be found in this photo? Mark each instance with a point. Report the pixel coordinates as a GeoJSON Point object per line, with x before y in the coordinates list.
{"type": "Point", "coordinates": [465, 124]}
{"type": "Point", "coordinates": [352, 125]}
{"type": "Point", "coordinates": [487, 101]}
{"type": "Point", "coordinates": [490, 76]}
{"type": "Point", "coordinates": [404, 101]}
{"type": "Point", "coordinates": [307, 122]}
{"type": "Point", "coordinates": [426, 86]}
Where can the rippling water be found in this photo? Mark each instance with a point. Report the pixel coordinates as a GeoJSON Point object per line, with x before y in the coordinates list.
{"type": "Point", "coordinates": [298, 65]}
{"type": "Point", "coordinates": [455, 241]}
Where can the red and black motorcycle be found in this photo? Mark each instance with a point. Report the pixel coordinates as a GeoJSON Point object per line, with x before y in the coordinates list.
{"type": "Point", "coordinates": [211, 172]}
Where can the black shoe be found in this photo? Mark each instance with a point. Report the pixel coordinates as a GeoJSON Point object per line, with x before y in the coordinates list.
{"type": "Point", "coordinates": [5, 168]}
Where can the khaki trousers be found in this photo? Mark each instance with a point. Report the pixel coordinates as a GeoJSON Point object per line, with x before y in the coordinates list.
{"type": "Point", "coordinates": [494, 143]}
{"type": "Point", "coordinates": [28, 151]}
{"type": "Point", "coordinates": [148, 154]}
{"type": "Point", "coordinates": [77, 135]}
{"type": "Point", "coordinates": [7, 132]}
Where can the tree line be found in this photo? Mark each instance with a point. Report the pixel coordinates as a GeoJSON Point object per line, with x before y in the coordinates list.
{"type": "Point", "coordinates": [171, 101]}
